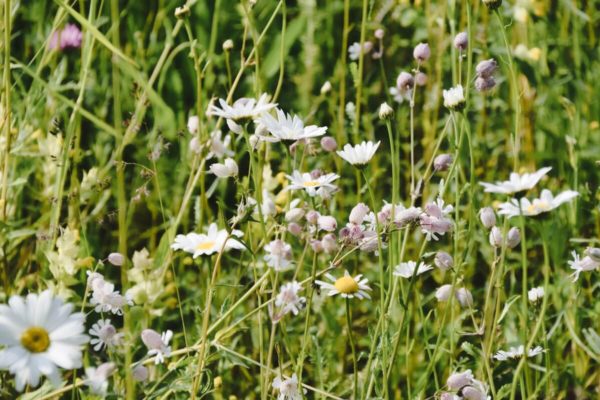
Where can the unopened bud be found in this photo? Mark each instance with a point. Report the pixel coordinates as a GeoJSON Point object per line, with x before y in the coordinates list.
{"type": "Point", "coordinates": [228, 45]}
{"type": "Point", "coordinates": [486, 68]}
{"type": "Point", "coordinates": [326, 88]}
{"type": "Point", "coordinates": [116, 259]}
{"type": "Point", "coordinates": [294, 228]}
{"type": "Point", "coordinates": [385, 111]}
{"type": "Point", "coordinates": [513, 238]}
{"type": "Point", "coordinates": [461, 41]}
{"type": "Point", "coordinates": [442, 162]}
{"type": "Point", "coordinates": [487, 216]}
{"type": "Point", "coordinates": [443, 292]}
{"type": "Point", "coordinates": [443, 260]}
{"type": "Point", "coordinates": [421, 52]}
{"type": "Point", "coordinates": [328, 144]}
{"type": "Point", "coordinates": [496, 237]}
{"type": "Point", "coordinates": [379, 33]}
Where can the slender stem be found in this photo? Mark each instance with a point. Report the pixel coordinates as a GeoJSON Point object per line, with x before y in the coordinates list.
{"type": "Point", "coordinates": [351, 340]}
{"type": "Point", "coordinates": [361, 63]}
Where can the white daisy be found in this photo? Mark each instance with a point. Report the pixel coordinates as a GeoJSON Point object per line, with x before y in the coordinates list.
{"type": "Point", "coordinates": [313, 186]}
{"type": "Point", "coordinates": [97, 378]}
{"type": "Point", "coordinates": [516, 182]}
{"type": "Point", "coordinates": [288, 388]}
{"type": "Point", "coordinates": [359, 154]}
{"type": "Point", "coordinates": [407, 269]}
{"type": "Point", "coordinates": [454, 98]}
{"type": "Point", "coordinates": [582, 265]}
{"type": "Point", "coordinates": [104, 335]}
{"type": "Point", "coordinates": [242, 109]}
{"type": "Point", "coordinates": [546, 202]}
{"type": "Point", "coordinates": [288, 298]}
{"type": "Point", "coordinates": [535, 294]}
{"type": "Point", "coordinates": [279, 255]}
{"type": "Point", "coordinates": [347, 286]}
{"type": "Point", "coordinates": [288, 127]}
{"type": "Point", "coordinates": [158, 345]}
{"type": "Point", "coordinates": [517, 352]}
{"type": "Point", "coordinates": [213, 241]}
{"type": "Point", "coordinates": [40, 334]}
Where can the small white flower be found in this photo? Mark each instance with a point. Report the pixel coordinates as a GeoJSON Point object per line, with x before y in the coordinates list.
{"type": "Point", "coordinates": [516, 182]}
{"type": "Point", "coordinates": [327, 223]}
{"type": "Point", "coordinates": [313, 186]}
{"type": "Point", "coordinates": [517, 352]}
{"type": "Point", "coordinates": [454, 98]}
{"type": "Point", "coordinates": [104, 335]}
{"type": "Point", "coordinates": [535, 294]}
{"type": "Point", "coordinates": [192, 124]}
{"type": "Point", "coordinates": [158, 345]}
{"type": "Point", "coordinates": [288, 127]}
{"type": "Point", "coordinates": [106, 299]}
{"type": "Point", "coordinates": [288, 298]}
{"type": "Point", "coordinates": [97, 378]}
{"type": "Point", "coordinates": [359, 154]}
{"type": "Point", "coordinates": [219, 147]}
{"type": "Point", "coordinates": [228, 169]}
{"type": "Point", "coordinates": [279, 255]}
{"type": "Point", "coordinates": [443, 292]}
{"type": "Point", "coordinates": [354, 49]}
{"type": "Point", "coordinates": [208, 243]}
{"type": "Point", "coordinates": [347, 286]}
{"type": "Point", "coordinates": [407, 269]}
{"type": "Point", "coordinates": [434, 220]}
{"type": "Point", "coordinates": [464, 297]}
{"type": "Point", "coordinates": [288, 388]}
{"type": "Point", "coordinates": [582, 265]}
{"type": "Point", "coordinates": [546, 202]}
{"type": "Point", "coordinates": [242, 109]}
{"type": "Point", "coordinates": [458, 380]}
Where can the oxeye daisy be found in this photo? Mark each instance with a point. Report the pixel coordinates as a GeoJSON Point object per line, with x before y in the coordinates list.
{"type": "Point", "coordinates": [516, 182]}
{"type": "Point", "coordinates": [359, 154]}
{"type": "Point", "coordinates": [546, 202]}
{"type": "Point", "coordinates": [242, 109]}
{"type": "Point", "coordinates": [313, 186]}
{"type": "Point", "coordinates": [347, 286]}
{"type": "Point", "coordinates": [517, 352]}
{"type": "Point", "coordinates": [213, 241]}
{"type": "Point", "coordinates": [407, 269]}
{"type": "Point", "coordinates": [288, 127]}
{"type": "Point", "coordinates": [41, 334]}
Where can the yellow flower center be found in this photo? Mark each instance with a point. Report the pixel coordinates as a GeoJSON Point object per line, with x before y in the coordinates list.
{"type": "Point", "coordinates": [35, 339]}
{"type": "Point", "coordinates": [346, 284]}
{"type": "Point", "coordinates": [311, 184]}
{"type": "Point", "coordinates": [205, 246]}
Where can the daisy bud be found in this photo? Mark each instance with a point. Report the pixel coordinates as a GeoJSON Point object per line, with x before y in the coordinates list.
{"type": "Point", "coordinates": [454, 98]}
{"type": "Point", "coordinates": [116, 259]}
{"type": "Point", "coordinates": [513, 238]}
{"type": "Point", "coordinates": [327, 223]}
{"type": "Point", "coordinates": [358, 213]}
{"type": "Point", "coordinates": [228, 45]}
{"type": "Point", "coordinates": [492, 4]}
{"type": "Point", "coordinates": [472, 393]}
{"type": "Point", "coordinates": [443, 292]}
{"type": "Point", "coordinates": [483, 84]}
{"type": "Point", "coordinates": [420, 79]}
{"type": "Point", "coordinates": [294, 229]}
{"type": "Point", "coordinates": [496, 237]}
{"type": "Point", "coordinates": [461, 41]}
{"type": "Point", "coordinates": [457, 381]}
{"type": "Point", "coordinates": [487, 216]}
{"type": "Point", "coordinates": [442, 162]}
{"type": "Point", "coordinates": [421, 52]}
{"type": "Point", "coordinates": [140, 373]}
{"type": "Point", "coordinates": [443, 260]}
{"type": "Point", "coordinates": [405, 81]}
{"type": "Point", "coordinates": [535, 294]}
{"type": "Point", "coordinates": [195, 145]}
{"type": "Point", "coordinates": [312, 217]}
{"type": "Point", "coordinates": [328, 144]}
{"type": "Point", "coordinates": [326, 88]}
{"type": "Point", "coordinates": [329, 243]}
{"type": "Point", "coordinates": [379, 33]}
{"type": "Point", "coordinates": [593, 253]}
{"type": "Point", "coordinates": [192, 124]}
{"type": "Point", "coordinates": [294, 215]}
{"type": "Point", "coordinates": [385, 111]}
{"type": "Point", "coordinates": [316, 245]}
{"type": "Point", "coordinates": [486, 68]}
{"type": "Point", "coordinates": [464, 297]}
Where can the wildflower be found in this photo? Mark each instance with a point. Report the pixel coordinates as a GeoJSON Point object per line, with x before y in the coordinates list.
{"type": "Point", "coordinates": [496, 237]}
{"type": "Point", "coordinates": [487, 216]}
{"type": "Point", "coordinates": [477, 390]}
{"type": "Point", "coordinates": [405, 81]}
{"type": "Point", "coordinates": [581, 265]}
{"type": "Point", "coordinates": [454, 98]}
{"type": "Point", "coordinates": [486, 68]}
{"type": "Point", "coordinates": [313, 186]}
{"type": "Point", "coordinates": [358, 213]}
{"type": "Point", "coordinates": [279, 255]}
{"type": "Point", "coordinates": [242, 109]}
{"type": "Point", "coordinates": [214, 241]}
{"type": "Point", "coordinates": [40, 334]}
{"type": "Point", "coordinates": [288, 388]}
{"type": "Point", "coordinates": [443, 260]}
{"type": "Point", "coordinates": [295, 214]}
{"type": "Point", "coordinates": [546, 202]}
{"type": "Point", "coordinates": [67, 38]}
{"type": "Point", "coordinates": [329, 243]}
{"type": "Point", "coordinates": [359, 154]}
{"type": "Point", "coordinates": [513, 238]}
{"type": "Point", "coordinates": [443, 292]}
{"type": "Point", "coordinates": [458, 380]}
{"type": "Point", "coordinates": [158, 345]}
{"type": "Point", "coordinates": [116, 259]}
{"type": "Point", "coordinates": [435, 221]}
{"type": "Point", "coordinates": [420, 79]}
{"type": "Point", "coordinates": [106, 335]}
{"type": "Point", "coordinates": [464, 297]}
{"type": "Point", "coordinates": [219, 147]}
{"type": "Point", "coordinates": [355, 49]}
{"type": "Point", "coordinates": [294, 229]}
{"type": "Point", "coordinates": [228, 169]}
{"type": "Point", "coordinates": [312, 217]}
{"type": "Point", "coordinates": [106, 299]}
{"type": "Point", "coordinates": [346, 286]}
{"type": "Point", "coordinates": [407, 269]}
{"type": "Point", "coordinates": [483, 84]}
{"type": "Point", "coordinates": [328, 144]}
{"type": "Point", "coordinates": [385, 111]}
{"type": "Point", "coordinates": [288, 127]}
{"type": "Point", "coordinates": [140, 373]}
{"type": "Point", "coordinates": [227, 45]}
{"type": "Point", "coordinates": [442, 162]}
{"type": "Point", "coordinates": [192, 124]}
{"type": "Point", "coordinates": [535, 294]}
{"type": "Point", "coordinates": [461, 41]}
{"type": "Point", "coordinates": [327, 223]}
{"type": "Point", "coordinates": [517, 352]}
{"type": "Point", "coordinates": [97, 378]}
{"type": "Point", "coordinates": [421, 52]}
{"type": "Point", "coordinates": [516, 182]}
{"type": "Point", "coordinates": [288, 298]}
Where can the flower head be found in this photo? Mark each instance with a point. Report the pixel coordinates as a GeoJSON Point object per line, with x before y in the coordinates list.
{"type": "Point", "coordinates": [288, 298]}
{"type": "Point", "coordinates": [288, 388]}
{"type": "Point", "coordinates": [546, 202]}
{"type": "Point", "coordinates": [288, 127]}
{"type": "Point", "coordinates": [516, 182]}
{"type": "Point", "coordinates": [104, 335]}
{"type": "Point", "coordinates": [359, 154]}
{"type": "Point", "coordinates": [535, 294]}
{"type": "Point", "coordinates": [279, 255]}
{"type": "Point", "coordinates": [213, 241]}
{"type": "Point", "coordinates": [242, 109]}
{"type": "Point", "coordinates": [581, 265]}
{"type": "Point", "coordinates": [67, 38]}
{"type": "Point", "coordinates": [347, 286]}
{"type": "Point", "coordinates": [158, 345]}
{"type": "Point", "coordinates": [314, 186]}
{"type": "Point", "coordinates": [454, 98]}
{"type": "Point", "coordinates": [407, 269]}
{"type": "Point", "coordinates": [517, 352]}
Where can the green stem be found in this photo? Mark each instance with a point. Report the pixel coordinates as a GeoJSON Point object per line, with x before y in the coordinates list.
{"type": "Point", "coordinates": [351, 340]}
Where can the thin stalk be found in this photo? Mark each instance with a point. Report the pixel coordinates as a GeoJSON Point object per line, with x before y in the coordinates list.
{"type": "Point", "coordinates": [351, 340]}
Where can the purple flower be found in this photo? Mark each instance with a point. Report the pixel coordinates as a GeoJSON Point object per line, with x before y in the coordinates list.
{"type": "Point", "coordinates": [67, 38]}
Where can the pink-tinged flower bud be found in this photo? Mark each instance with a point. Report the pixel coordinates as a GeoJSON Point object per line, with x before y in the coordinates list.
{"type": "Point", "coordinates": [327, 223]}
{"type": "Point", "coordinates": [312, 217]}
{"type": "Point", "coordinates": [464, 297]}
{"type": "Point", "coordinates": [421, 79]}
{"type": "Point", "coordinates": [294, 215]}
{"type": "Point", "coordinates": [513, 238]}
{"type": "Point", "coordinates": [421, 52]}
{"type": "Point", "coordinates": [116, 259]}
{"type": "Point", "coordinates": [358, 213]}
{"type": "Point", "coordinates": [316, 245]}
{"type": "Point", "coordinates": [448, 396]}
{"type": "Point", "coordinates": [294, 229]}
{"type": "Point", "coordinates": [442, 162]}
{"type": "Point", "coordinates": [192, 124]}
{"type": "Point", "coordinates": [152, 339]}
{"type": "Point", "coordinates": [483, 84]}
{"type": "Point", "coordinates": [443, 260]}
{"type": "Point", "coordinates": [329, 243]}
{"type": "Point", "coordinates": [379, 33]}
{"type": "Point", "coordinates": [405, 81]}
{"type": "Point", "coordinates": [461, 41]}
{"type": "Point", "coordinates": [369, 241]}
{"type": "Point", "coordinates": [488, 217]}
{"type": "Point", "coordinates": [496, 237]}
{"type": "Point", "coordinates": [457, 380]}
{"type": "Point", "coordinates": [443, 292]}
{"type": "Point", "coordinates": [328, 144]}
{"type": "Point", "coordinates": [140, 373]}
{"type": "Point", "coordinates": [486, 68]}
{"type": "Point", "coordinates": [472, 393]}
{"type": "Point", "coordinates": [316, 173]}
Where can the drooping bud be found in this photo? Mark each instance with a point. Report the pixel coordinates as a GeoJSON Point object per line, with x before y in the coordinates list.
{"type": "Point", "coordinates": [461, 41]}
{"type": "Point", "coordinates": [312, 217]}
{"type": "Point", "coordinates": [483, 84]}
{"type": "Point", "coordinates": [379, 33]}
{"type": "Point", "coordinates": [405, 81]}
{"type": "Point", "coordinates": [457, 380]}
{"type": "Point", "coordinates": [442, 162]}
{"type": "Point", "coordinates": [328, 144]}
{"type": "Point", "coordinates": [464, 297]}
{"type": "Point", "coordinates": [327, 223]}
{"type": "Point", "coordinates": [329, 243]}
{"type": "Point", "coordinates": [443, 260]}
{"type": "Point", "coordinates": [488, 217]}
{"type": "Point", "coordinates": [486, 68]}
{"type": "Point", "coordinates": [496, 237]}
{"type": "Point", "coordinates": [513, 238]}
{"type": "Point", "coordinates": [358, 213]}
{"type": "Point", "coordinates": [443, 292]}
{"type": "Point", "coordinates": [421, 52]}
{"type": "Point", "coordinates": [420, 78]}
{"type": "Point", "coordinates": [116, 259]}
